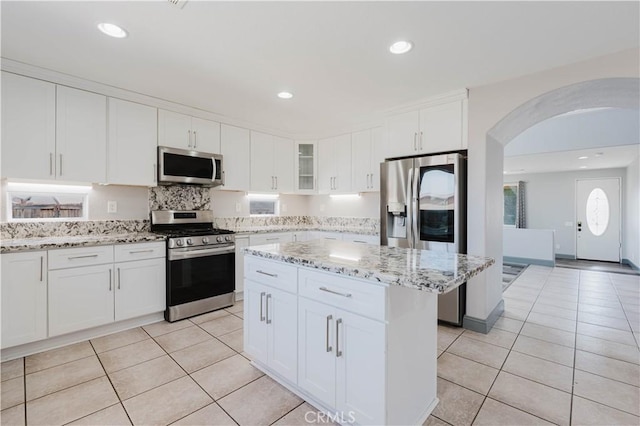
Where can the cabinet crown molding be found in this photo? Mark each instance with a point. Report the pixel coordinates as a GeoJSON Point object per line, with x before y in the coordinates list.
{"type": "Point", "coordinates": [455, 95]}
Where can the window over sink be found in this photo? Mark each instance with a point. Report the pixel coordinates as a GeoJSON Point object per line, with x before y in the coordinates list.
{"type": "Point", "coordinates": [42, 202]}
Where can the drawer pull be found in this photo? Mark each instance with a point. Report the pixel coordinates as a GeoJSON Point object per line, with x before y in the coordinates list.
{"type": "Point", "coordinates": [261, 298]}
{"type": "Point", "coordinates": [359, 241]}
{"type": "Point", "coordinates": [338, 351]}
{"type": "Point", "coordinates": [329, 348]}
{"type": "Point", "coordinates": [141, 251]}
{"type": "Point", "coordinates": [82, 257]}
{"type": "Point", "coordinates": [266, 303]}
{"type": "Point", "coordinates": [273, 239]}
{"type": "Point", "coordinates": [335, 292]}
{"type": "Point", "coordinates": [267, 274]}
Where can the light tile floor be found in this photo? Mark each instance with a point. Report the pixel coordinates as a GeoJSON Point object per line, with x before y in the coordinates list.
{"type": "Point", "coordinates": [564, 352]}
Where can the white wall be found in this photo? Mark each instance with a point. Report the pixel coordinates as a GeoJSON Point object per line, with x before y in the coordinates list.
{"type": "Point", "coordinates": [531, 244]}
{"type": "Point", "coordinates": [631, 220]}
{"type": "Point", "coordinates": [550, 202]}
{"type": "Point", "coordinates": [223, 204]}
{"type": "Point", "coordinates": [487, 106]}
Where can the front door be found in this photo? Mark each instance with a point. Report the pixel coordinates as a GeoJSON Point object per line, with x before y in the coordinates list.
{"type": "Point", "coordinates": [598, 219]}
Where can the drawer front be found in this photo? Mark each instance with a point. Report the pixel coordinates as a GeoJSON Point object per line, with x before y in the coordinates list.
{"type": "Point", "coordinates": [362, 239]}
{"type": "Point", "coordinates": [275, 274]}
{"type": "Point", "coordinates": [360, 297]}
{"type": "Point", "coordinates": [270, 238]}
{"type": "Point", "coordinates": [82, 256]}
{"type": "Point", "coordinates": [139, 251]}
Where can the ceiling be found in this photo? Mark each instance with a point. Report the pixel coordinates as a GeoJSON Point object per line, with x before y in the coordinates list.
{"type": "Point", "coordinates": [231, 58]}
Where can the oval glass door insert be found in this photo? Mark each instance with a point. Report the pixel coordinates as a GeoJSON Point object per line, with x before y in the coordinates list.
{"type": "Point", "coordinates": [597, 212]}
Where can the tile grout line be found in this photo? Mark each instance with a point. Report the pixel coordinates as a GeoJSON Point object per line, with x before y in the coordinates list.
{"type": "Point", "coordinates": [285, 414]}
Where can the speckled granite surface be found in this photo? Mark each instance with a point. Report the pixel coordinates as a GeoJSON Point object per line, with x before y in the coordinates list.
{"type": "Point", "coordinates": [46, 243]}
{"type": "Point", "coordinates": [426, 270]}
{"type": "Point", "coordinates": [355, 225]}
{"type": "Point", "coordinates": [360, 231]}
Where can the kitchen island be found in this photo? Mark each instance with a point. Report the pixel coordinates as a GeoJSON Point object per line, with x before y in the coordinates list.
{"type": "Point", "coordinates": [351, 328]}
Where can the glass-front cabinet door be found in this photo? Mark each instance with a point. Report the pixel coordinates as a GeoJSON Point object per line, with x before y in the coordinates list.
{"type": "Point", "coordinates": [306, 166]}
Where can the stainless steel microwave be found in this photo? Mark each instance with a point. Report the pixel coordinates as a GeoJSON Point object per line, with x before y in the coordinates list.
{"type": "Point", "coordinates": [189, 167]}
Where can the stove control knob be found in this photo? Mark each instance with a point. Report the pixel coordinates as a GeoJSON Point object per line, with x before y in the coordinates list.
{"type": "Point", "coordinates": [219, 239]}
{"type": "Point", "coordinates": [205, 240]}
{"type": "Point", "coordinates": [189, 241]}
{"type": "Point", "coordinates": [179, 243]}
{"type": "Point", "coordinates": [227, 238]}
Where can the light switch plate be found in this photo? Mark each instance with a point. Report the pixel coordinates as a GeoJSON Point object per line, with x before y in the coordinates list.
{"type": "Point", "coordinates": [238, 207]}
{"type": "Point", "coordinates": [283, 207]}
{"type": "Point", "coordinates": [568, 224]}
{"type": "Point", "coordinates": [112, 207]}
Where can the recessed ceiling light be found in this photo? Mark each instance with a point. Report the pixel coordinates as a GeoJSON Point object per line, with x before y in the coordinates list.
{"type": "Point", "coordinates": [583, 167]}
{"type": "Point", "coordinates": [599, 154]}
{"type": "Point", "coordinates": [400, 47]}
{"type": "Point", "coordinates": [112, 30]}
{"type": "Point", "coordinates": [584, 157]}
{"type": "Point", "coordinates": [285, 95]}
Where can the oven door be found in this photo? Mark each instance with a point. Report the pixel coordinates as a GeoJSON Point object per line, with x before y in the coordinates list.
{"type": "Point", "coordinates": [195, 274]}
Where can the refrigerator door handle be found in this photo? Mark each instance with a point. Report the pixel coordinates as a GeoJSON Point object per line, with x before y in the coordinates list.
{"type": "Point", "coordinates": [415, 211]}
{"type": "Point", "coordinates": [410, 206]}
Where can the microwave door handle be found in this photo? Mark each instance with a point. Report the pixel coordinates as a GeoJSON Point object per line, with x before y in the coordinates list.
{"type": "Point", "coordinates": [215, 171]}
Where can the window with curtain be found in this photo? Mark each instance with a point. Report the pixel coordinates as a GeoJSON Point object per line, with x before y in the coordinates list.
{"type": "Point", "coordinates": [514, 205]}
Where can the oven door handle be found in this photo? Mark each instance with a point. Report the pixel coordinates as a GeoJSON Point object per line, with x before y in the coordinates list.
{"type": "Point", "coordinates": [173, 255]}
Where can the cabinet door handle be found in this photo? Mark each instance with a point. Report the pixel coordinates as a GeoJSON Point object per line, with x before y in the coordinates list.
{"type": "Point", "coordinates": [338, 351]}
{"type": "Point", "coordinates": [261, 299]}
{"type": "Point", "coordinates": [189, 138]}
{"type": "Point", "coordinates": [421, 134]}
{"type": "Point", "coordinates": [60, 174]}
{"type": "Point", "coordinates": [415, 141]}
{"type": "Point", "coordinates": [51, 163]}
{"type": "Point", "coordinates": [195, 139]}
{"type": "Point", "coordinates": [154, 173]}
{"type": "Point", "coordinates": [266, 273]}
{"type": "Point", "coordinates": [82, 257]}
{"type": "Point", "coordinates": [335, 292]}
{"type": "Point", "coordinates": [109, 279]}
{"type": "Point", "coordinates": [329, 348]}
{"type": "Point", "coordinates": [276, 182]}
{"type": "Point", "coordinates": [41, 267]}
{"type": "Point", "coordinates": [266, 304]}
{"type": "Point", "coordinates": [118, 278]}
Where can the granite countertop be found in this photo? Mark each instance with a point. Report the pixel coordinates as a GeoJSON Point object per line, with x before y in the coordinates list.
{"type": "Point", "coordinates": [437, 272]}
{"type": "Point", "coordinates": [45, 243]}
{"type": "Point", "coordinates": [263, 230]}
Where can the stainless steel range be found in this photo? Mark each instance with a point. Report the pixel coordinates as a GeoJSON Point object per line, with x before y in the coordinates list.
{"type": "Point", "coordinates": [200, 262]}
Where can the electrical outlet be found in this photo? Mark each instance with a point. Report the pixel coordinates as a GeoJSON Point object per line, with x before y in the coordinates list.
{"type": "Point", "coordinates": [321, 207]}
{"type": "Point", "coordinates": [283, 208]}
{"type": "Point", "coordinates": [238, 207]}
{"type": "Point", "coordinates": [112, 207]}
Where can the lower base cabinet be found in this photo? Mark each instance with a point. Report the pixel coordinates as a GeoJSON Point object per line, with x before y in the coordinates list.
{"type": "Point", "coordinates": [140, 288]}
{"type": "Point", "coordinates": [342, 361]}
{"type": "Point", "coordinates": [271, 328]}
{"type": "Point", "coordinates": [24, 297]}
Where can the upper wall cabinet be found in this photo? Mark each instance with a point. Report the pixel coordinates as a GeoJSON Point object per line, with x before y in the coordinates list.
{"type": "Point", "coordinates": [185, 132]}
{"type": "Point", "coordinates": [334, 164]}
{"type": "Point", "coordinates": [235, 147]}
{"type": "Point", "coordinates": [434, 129]}
{"type": "Point", "coordinates": [133, 136]}
{"type": "Point", "coordinates": [28, 127]}
{"type": "Point", "coordinates": [81, 135]}
{"type": "Point", "coordinates": [271, 163]}
{"type": "Point", "coordinates": [365, 153]}
{"type": "Point", "coordinates": [306, 167]}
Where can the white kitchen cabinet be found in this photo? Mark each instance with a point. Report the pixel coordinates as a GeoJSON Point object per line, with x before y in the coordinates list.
{"type": "Point", "coordinates": [24, 297]}
{"type": "Point", "coordinates": [235, 148]}
{"type": "Point", "coordinates": [182, 131]}
{"type": "Point", "coordinates": [438, 128]}
{"type": "Point", "coordinates": [28, 127]}
{"type": "Point", "coordinates": [80, 298]}
{"type": "Point", "coordinates": [271, 163]}
{"type": "Point", "coordinates": [366, 158]}
{"type": "Point", "coordinates": [271, 321]}
{"type": "Point", "coordinates": [81, 135]}
{"type": "Point", "coordinates": [306, 167]}
{"type": "Point", "coordinates": [140, 288]}
{"type": "Point", "coordinates": [324, 235]}
{"type": "Point", "coordinates": [339, 353]}
{"type": "Point", "coordinates": [270, 238]}
{"type": "Point", "coordinates": [334, 164]}
{"type": "Point", "coordinates": [133, 137]}
{"type": "Point", "coordinates": [241, 243]}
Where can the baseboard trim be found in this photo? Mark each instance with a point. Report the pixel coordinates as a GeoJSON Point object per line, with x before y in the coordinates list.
{"type": "Point", "coordinates": [527, 261]}
{"type": "Point", "coordinates": [565, 256]}
{"type": "Point", "coordinates": [483, 325]}
{"type": "Point", "coordinates": [630, 263]}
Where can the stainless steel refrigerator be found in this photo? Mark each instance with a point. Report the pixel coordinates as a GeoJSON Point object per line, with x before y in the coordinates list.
{"type": "Point", "coordinates": [423, 206]}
